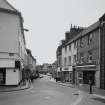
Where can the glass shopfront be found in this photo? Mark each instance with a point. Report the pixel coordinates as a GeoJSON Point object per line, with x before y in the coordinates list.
{"type": "Point", "coordinates": [80, 77]}
{"type": "Point", "coordinates": [88, 75]}
{"type": "Point", "coordinates": [85, 74]}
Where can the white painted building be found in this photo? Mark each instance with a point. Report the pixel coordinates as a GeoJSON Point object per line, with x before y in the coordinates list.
{"type": "Point", "coordinates": [12, 45]}
{"type": "Point", "coordinates": [69, 53]}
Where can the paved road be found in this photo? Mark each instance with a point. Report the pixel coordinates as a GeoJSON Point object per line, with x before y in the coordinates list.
{"type": "Point", "coordinates": [43, 92]}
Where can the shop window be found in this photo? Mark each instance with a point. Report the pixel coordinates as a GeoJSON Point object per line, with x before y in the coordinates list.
{"type": "Point", "coordinates": [70, 75]}
{"type": "Point", "coordinates": [80, 81]}
{"type": "Point", "coordinates": [80, 75]}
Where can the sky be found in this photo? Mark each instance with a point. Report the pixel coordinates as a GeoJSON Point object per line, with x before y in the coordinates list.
{"type": "Point", "coordinates": [48, 20]}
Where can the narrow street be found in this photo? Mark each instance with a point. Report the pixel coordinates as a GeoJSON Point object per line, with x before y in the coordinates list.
{"type": "Point", "coordinates": [43, 92]}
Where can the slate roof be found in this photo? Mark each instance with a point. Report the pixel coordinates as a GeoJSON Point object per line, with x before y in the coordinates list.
{"type": "Point", "coordinates": [86, 31]}
{"type": "Point", "coordinates": [4, 4]}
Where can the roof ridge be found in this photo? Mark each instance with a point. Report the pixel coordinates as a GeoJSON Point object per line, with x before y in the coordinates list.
{"type": "Point", "coordinates": [10, 5]}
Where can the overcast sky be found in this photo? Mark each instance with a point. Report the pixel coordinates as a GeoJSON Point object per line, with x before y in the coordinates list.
{"type": "Point", "coordinates": [47, 21]}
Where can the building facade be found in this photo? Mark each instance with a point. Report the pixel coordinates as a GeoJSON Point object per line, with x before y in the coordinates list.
{"type": "Point", "coordinates": [12, 45]}
{"type": "Point", "coordinates": [59, 62]}
{"type": "Point", "coordinates": [87, 68]}
{"type": "Point", "coordinates": [102, 52]}
{"type": "Point", "coordinates": [87, 59]}
{"type": "Point", "coordinates": [69, 53]}
{"type": "Point", "coordinates": [31, 61]}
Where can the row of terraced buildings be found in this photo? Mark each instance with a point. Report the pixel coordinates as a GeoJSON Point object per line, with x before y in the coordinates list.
{"type": "Point", "coordinates": [81, 56]}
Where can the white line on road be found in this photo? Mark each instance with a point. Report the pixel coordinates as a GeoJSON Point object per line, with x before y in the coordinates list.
{"type": "Point", "coordinates": [79, 99]}
{"type": "Point", "coordinates": [99, 96]}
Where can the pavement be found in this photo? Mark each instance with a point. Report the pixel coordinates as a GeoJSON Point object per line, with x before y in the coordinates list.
{"type": "Point", "coordinates": [15, 88]}
{"type": "Point", "coordinates": [86, 88]}
{"type": "Point", "coordinates": [96, 98]}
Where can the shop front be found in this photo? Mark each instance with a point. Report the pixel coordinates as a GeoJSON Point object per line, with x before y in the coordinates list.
{"type": "Point", "coordinates": [67, 74]}
{"type": "Point", "coordinates": [9, 72]}
{"type": "Point", "coordinates": [85, 74]}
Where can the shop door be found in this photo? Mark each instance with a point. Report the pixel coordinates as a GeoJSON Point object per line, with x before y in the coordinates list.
{"type": "Point", "coordinates": [88, 75]}
{"type": "Point", "coordinates": [2, 76]}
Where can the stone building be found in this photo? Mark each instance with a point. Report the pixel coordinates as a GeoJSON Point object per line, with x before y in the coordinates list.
{"type": "Point", "coordinates": [69, 53]}
{"type": "Point", "coordinates": [102, 51]}
{"type": "Point", "coordinates": [88, 59]}
{"type": "Point", "coordinates": [87, 67]}
{"type": "Point", "coordinates": [59, 61]}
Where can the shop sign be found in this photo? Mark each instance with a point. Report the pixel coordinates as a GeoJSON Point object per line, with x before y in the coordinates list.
{"type": "Point", "coordinates": [66, 68]}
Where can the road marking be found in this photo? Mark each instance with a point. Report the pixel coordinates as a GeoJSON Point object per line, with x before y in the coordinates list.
{"type": "Point", "coordinates": [99, 96]}
{"type": "Point", "coordinates": [79, 99]}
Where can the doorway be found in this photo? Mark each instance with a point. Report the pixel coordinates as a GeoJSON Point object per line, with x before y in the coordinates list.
{"type": "Point", "coordinates": [2, 76]}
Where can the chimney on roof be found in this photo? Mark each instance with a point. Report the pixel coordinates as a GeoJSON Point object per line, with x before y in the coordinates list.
{"type": "Point", "coordinates": [71, 26]}
{"type": "Point", "coordinates": [74, 30]}
{"type": "Point", "coordinates": [67, 36]}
